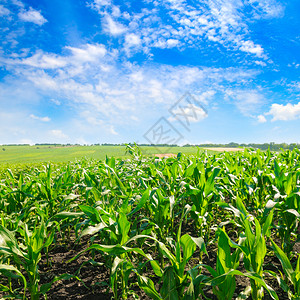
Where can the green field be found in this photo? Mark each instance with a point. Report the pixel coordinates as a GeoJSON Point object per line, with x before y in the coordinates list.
{"type": "Point", "coordinates": [33, 154]}
{"type": "Point", "coordinates": [222, 226]}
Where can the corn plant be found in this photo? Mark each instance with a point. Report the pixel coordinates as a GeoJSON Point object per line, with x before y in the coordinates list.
{"type": "Point", "coordinates": [25, 256]}
{"type": "Point", "coordinates": [175, 277]}
{"type": "Point", "coordinates": [292, 275]}
{"type": "Point", "coordinates": [226, 262]}
{"type": "Point", "coordinates": [253, 245]}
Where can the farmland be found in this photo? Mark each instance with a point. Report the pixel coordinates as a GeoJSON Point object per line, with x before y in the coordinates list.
{"type": "Point", "coordinates": [199, 226]}
{"type": "Point", "coordinates": [41, 153]}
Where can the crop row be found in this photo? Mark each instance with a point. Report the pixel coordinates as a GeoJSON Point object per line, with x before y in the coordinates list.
{"type": "Point", "coordinates": [188, 227]}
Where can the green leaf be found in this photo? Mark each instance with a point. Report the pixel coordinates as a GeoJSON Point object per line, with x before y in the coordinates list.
{"type": "Point", "coordinates": [91, 212]}
{"type": "Point", "coordinates": [148, 287]}
{"type": "Point", "coordinates": [8, 271]}
{"type": "Point", "coordinates": [124, 227]}
{"type": "Point", "coordinates": [267, 224]}
{"type": "Point", "coordinates": [68, 215]}
{"type": "Point", "coordinates": [286, 265]}
{"type": "Point", "coordinates": [188, 247]}
{"type": "Point", "coordinates": [168, 289]}
{"type": "Point", "coordinates": [143, 200]}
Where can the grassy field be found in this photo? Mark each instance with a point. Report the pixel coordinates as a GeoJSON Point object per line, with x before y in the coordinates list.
{"type": "Point", "coordinates": [33, 154]}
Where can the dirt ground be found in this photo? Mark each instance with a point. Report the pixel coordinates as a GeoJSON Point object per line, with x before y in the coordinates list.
{"type": "Point", "coordinates": [222, 149]}
{"type": "Point", "coordinates": [162, 155]}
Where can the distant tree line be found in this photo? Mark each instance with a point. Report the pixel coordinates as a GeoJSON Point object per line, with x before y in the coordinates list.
{"type": "Point", "coordinates": [272, 146]}
{"type": "Point", "coordinates": [15, 145]}
{"type": "Point", "coordinates": [140, 145]}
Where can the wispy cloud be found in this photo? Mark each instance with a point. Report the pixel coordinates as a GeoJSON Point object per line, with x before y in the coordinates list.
{"type": "Point", "coordinates": [192, 113]}
{"type": "Point", "coordinates": [4, 11]}
{"type": "Point", "coordinates": [42, 119]}
{"type": "Point", "coordinates": [32, 15]}
{"type": "Point", "coordinates": [91, 78]}
{"type": "Point", "coordinates": [177, 23]}
{"type": "Point", "coordinates": [267, 8]}
{"type": "Point", "coordinates": [41, 60]}
{"type": "Point", "coordinates": [58, 134]}
{"type": "Point", "coordinates": [113, 27]}
{"type": "Point", "coordinates": [248, 101]}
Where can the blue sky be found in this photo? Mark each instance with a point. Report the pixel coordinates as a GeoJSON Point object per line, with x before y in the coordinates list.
{"type": "Point", "coordinates": [105, 71]}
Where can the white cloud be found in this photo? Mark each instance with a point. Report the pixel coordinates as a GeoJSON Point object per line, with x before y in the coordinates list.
{"type": "Point", "coordinates": [172, 43]}
{"type": "Point", "coordinates": [33, 16]}
{"type": "Point", "coordinates": [113, 91]}
{"type": "Point", "coordinates": [42, 119]}
{"type": "Point", "coordinates": [18, 3]}
{"type": "Point", "coordinates": [247, 101]}
{"type": "Point", "coordinates": [267, 8]}
{"type": "Point", "coordinates": [189, 23]}
{"type": "Point", "coordinates": [55, 101]}
{"type": "Point", "coordinates": [97, 4]}
{"type": "Point", "coordinates": [250, 47]}
{"type": "Point", "coordinates": [191, 113]}
{"type": "Point", "coordinates": [261, 119]}
{"type": "Point", "coordinates": [112, 130]}
{"type": "Point", "coordinates": [282, 112]}
{"type": "Point", "coordinates": [260, 63]}
{"type": "Point", "coordinates": [4, 11]}
{"type": "Point", "coordinates": [44, 61]}
{"type": "Point", "coordinates": [112, 27]}
{"type": "Point", "coordinates": [206, 97]}
{"type": "Point", "coordinates": [132, 39]}
{"type": "Point", "coordinates": [88, 53]}
{"type": "Point", "coordinates": [57, 133]}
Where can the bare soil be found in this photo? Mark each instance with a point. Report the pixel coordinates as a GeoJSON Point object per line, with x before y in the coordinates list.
{"type": "Point", "coordinates": [163, 155]}
{"type": "Point", "coordinates": [222, 149]}
{"type": "Point", "coordinates": [94, 282]}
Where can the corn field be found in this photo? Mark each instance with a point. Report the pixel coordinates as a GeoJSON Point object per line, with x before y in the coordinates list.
{"type": "Point", "coordinates": [222, 226]}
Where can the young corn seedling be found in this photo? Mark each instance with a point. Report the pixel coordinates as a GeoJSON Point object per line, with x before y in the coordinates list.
{"type": "Point", "coordinates": [292, 275]}
{"type": "Point", "coordinates": [253, 245]}
{"type": "Point", "coordinates": [288, 222]}
{"type": "Point", "coordinates": [118, 254]}
{"type": "Point", "coordinates": [226, 262]}
{"type": "Point", "coordinates": [175, 277]}
{"type": "Point", "coordinates": [25, 256]}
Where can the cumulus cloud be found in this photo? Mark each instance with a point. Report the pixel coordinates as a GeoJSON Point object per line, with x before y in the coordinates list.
{"type": "Point", "coordinates": [261, 119]}
{"type": "Point", "coordinates": [250, 47]}
{"type": "Point", "coordinates": [42, 119]}
{"type": "Point", "coordinates": [286, 112]}
{"type": "Point", "coordinates": [32, 15]}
